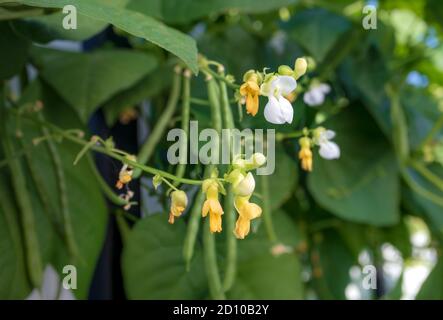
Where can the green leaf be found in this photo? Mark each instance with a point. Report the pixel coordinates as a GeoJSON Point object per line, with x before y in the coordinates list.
{"type": "Point", "coordinates": [14, 51]}
{"type": "Point", "coordinates": [183, 11]}
{"type": "Point", "coordinates": [134, 23]}
{"type": "Point", "coordinates": [260, 275]}
{"type": "Point", "coordinates": [363, 185]}
{"type": "Point", "coordinates": [153, 265]}
{"type": "Point", "coordinates": [334, 261]}
{"type": "Point", "coordinates": [282, 181]}
{"type": "Point", "coordinates": [149, 86]}
{"type": "Point", "coordinates": [317, 31]}
{"type": "Point", "coordinates": [432, 288]}
{"type": "Point", "coordinates": [86, 80]}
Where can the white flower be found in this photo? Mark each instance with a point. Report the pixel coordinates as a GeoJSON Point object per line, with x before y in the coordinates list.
{"type": "Point", "coordinates": [278, 110]}
{"type": "Point", "coordinates": [316, 94]}
{"type": "Point", "coordinates": [328, 149]}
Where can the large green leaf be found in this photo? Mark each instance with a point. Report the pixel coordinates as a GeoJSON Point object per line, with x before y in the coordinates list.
{"type": "Point", "coordinates": [261, 275]}
{"type": "Point", "coordinates": [182, 11]}
{"type": "Point", "coordinates": [153, 264]}
{"type": "Point", "coordinates": [86, 80]}
{"type": "Point", "coordinates": [134, 23]}
{"type": "Point", "coordinates": [317, 30]}
{"type": "Point", "coordinates": [363, 185]}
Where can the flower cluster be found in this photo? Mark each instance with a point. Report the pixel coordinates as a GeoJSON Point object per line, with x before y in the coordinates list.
{"type": "Point", "coordinates": [320, 137]}
{"type": "Point", "coordinates": [242, 181]}
{"type": "Point", "coordinates": [277, 87]}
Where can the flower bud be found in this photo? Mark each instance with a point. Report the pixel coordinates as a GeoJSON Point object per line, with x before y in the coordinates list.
{"type": "Point", "coordinates": [300, 67]}
{"type": "Point", "coordinates": [179, 201]}
{"type": "Point", "coordinates": [246, 186]}
{"type": "Point", "coordinates": [250, 75]}
{"type": "Point", "coordinates": [258, 159]}
{"type": "Point", "coordinates": [285, 70]}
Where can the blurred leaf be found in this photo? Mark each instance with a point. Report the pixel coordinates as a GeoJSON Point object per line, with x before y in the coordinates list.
{"type": "Point", "coordinates": [432, 288]}
{"type": "Point", "coordinates": [14, 51]}
{"type": "Point", "coordinates": [282, 181]}
{"type": "Point", "coordinates": [149, 86]}
{"type": "Point", "coordinates": [134, 23]}
{"type": "Point", "coordinates": [260, 275]}
{"type": "Point", "coordinates": [431, 210]}
{"type": "Point", "coordinates": [183, 11]}
{"type": "Point", "coordinates": [153, 264]}
{"type": "Point", "coordinates": [363, 185]}
{"type": "Point", "coordinates": [86, 80]}
{"type": "Point", "coordinates": [317, 31]}
{"type": "Point", "coordinates": [331, 262]}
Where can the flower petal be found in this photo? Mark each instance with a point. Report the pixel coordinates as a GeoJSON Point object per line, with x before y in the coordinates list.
{"type": "Point", "coordinates": [324, 87]}
{"type": "Point", "coordinates": [286, 84]}
{"type": "Point", "coordinates": [314, 97]}
{"type": "Point", "coordinates": [286, 109]}
{"type": "Point", "coordinates": [273, 112]}
{"type": "Point", "coordinates": [329, 150]}
{"type": "Point", "coordinates": [329, 134]}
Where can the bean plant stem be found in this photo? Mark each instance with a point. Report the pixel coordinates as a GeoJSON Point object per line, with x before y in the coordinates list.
{"type": "Point", "coordinates": [110, 153]}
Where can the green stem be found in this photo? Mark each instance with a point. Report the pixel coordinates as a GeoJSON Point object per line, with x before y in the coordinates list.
{"type": "Point", "coordinates": [435, 129]}
{"type": "Point", "coordinates": [200, 102]}
{"type": "Point", "coordinates": [106, 189]}
{"type": "Point", "coordinates": [150, 144]}
{"type": "Point", "coordinates": [292, 135]}
{"type": "Point", "coordinates": [420, 190]}
{"type": "Point", "coordinates": [267, 212]}
{"type": "Point", "coordinates": [428, 174]}
{"type": "Point", "coordinates": [186, 106]}
{"type": "Point", "coordinates": [221, 78]}
{"type": "Point", "coordinates": [400, 127]}
{"type": "Point", "coordinates": [110, 153]}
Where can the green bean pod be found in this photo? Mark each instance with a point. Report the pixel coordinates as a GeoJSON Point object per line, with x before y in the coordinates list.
{"type": "Point", "coordinates": [150, 144]}
{"type": "Point", "coordinates": [267, 212]}
{"type": "Point", "coordinates": [231, 241]}
{"type": "Point", "coordinates": [186, 106]}
{"type": "Point", "coordinates": [33, 256]}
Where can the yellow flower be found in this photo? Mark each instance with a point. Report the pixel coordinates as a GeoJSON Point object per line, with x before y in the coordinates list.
{"type": "Point", "coordinates": [305, 154]}
{"type": "Point", "coordinates": [124, 177]}
{"type": "Point", "coordinates": [246, 212]}
{"type": "Point", "coordinates": [179, 201]}
{"type": "Point", "coordinates": [251, 90]}
{"type": "Point", "coordinates": [212, 205]}
{"type": "Point", "coordinates": [125, 174]}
